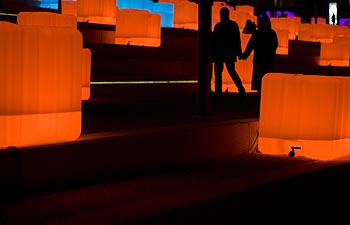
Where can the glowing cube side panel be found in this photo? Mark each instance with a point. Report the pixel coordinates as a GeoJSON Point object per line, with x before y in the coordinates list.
{"type": "Point", "coordinates": [138, 27]}
{"type": "Point", "coordinates": [307, 111]}
{"type": "Point", "coordinates": [86, 74]}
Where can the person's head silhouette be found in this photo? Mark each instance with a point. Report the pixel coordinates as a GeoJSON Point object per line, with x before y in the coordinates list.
{"type": "Point", "coordinates": [224, 14]}
{"type": "Point", "coordinates": [264, 23]}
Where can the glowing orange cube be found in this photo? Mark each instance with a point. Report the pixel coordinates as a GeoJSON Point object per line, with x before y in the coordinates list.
{"type": "Point", "coordinates": [311, 112]}
{"type": "Point", "coordinates": [40, 84]}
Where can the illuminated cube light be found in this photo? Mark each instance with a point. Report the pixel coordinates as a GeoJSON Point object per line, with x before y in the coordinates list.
{"type": "Point", "coordinates": [137, 27]}
{"type": "Point", "coordinates": [323, 33]}
{"type": "Point", "coordinates": [336, 53]}
{"type": "Point", "coordinates": [305, 31]}
{"type": "Point", "coordinates": [165, 9]}
{"type": "Point", "coordinates": [100, 12]}
{"type": "Point", "coordinates": [69, 7]}
{"type": "Point", "coordinates": [46, 19]}
{"type": "Point", "coordinates": [185, 14]}
{"type": "Point", "coordinates": [40, 84]}
{"type": "Point", "coordinates": [291, 24]}
{"type": "Point", "coordinates": [245, 9]}
{"type": "Point", "coordinates": [59, 20]}
{"type": "Point", "coordinates": [307, 111]}
{"type": "Point", "coordinates": [320, 20]}
{"type": "Point", "coordinates": [340, 31]}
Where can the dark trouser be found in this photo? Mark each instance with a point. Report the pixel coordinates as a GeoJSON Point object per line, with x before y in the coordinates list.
{"type": "Point", "coordinates": [230, 66]}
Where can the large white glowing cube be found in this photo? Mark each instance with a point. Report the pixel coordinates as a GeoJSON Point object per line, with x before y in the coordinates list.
{"type": "Point", "coordinates": [40, 84]}
{"type": "Point", "coordinates": [138, 27]}
{"type": "Point", "coordinates": [311, 112]}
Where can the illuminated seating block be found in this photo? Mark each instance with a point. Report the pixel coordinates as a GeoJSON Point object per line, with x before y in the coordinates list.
{"type": "Point", "coordinates": [185, 14]}
{"type": "Point", "coordinates": [336, 53]}
{"type": "Point", "coordinates": [291, 24]}
{"type": "Point", "coordinates": [340, 31]}
{"type": "Point", "coordinates": [101, 12]}
{"type": "Point", "coordinates": [307, 111]}
{"type": "Point", "coordinates": [165, 9]}
{"type": "Point", "coordinates": [58, 20]}
{"type": "Point", "coordinates": [323, 33]}
{"type": "Point", "coordinates": [86, 74]}
{"type": "Point", "coordinates": [46, 19]}
{"type": "Point", "coordinates": [40, 84]}
{"type": "Point", "coordinates": [69, 7]}
{"type": "Point", "coordinates": [305, 31]}
{"type": "Point", "coordinates": [320, 20]}
{"type": "Point", "coordinates": [137, 27]}
{"type": "Point", "coordinates": [246, 9]}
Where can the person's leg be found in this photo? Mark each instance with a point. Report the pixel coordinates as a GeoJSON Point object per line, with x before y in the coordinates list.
{"type": "Point", "coordinates": [218, 68]}
{"type": "Point", "coordinates": [235, 77]}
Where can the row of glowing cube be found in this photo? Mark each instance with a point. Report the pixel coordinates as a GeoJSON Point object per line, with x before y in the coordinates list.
{"type": "Point", "coordinates": [142, 27]}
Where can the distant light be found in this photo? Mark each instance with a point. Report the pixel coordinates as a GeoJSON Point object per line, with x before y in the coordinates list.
{"type": "Point", "coordinates": [333, 10]}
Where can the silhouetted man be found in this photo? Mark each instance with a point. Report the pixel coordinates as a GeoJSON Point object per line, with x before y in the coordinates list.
{"type": "Point", "coordinates": [226, 46]}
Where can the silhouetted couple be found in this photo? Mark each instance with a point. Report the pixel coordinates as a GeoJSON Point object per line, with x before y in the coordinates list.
{"type": "Point", "coordinates": [226, 47]}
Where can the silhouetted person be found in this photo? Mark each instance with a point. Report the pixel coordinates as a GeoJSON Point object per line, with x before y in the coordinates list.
{"type": "Point", "coordinates": [226, 46]}
{"type": "Point", "coordinates": [264, 42]}
{"type": "Point", "coordinates": [333, 19]}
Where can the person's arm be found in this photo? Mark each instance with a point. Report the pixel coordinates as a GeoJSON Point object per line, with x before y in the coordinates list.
{"type": "Point", "coordinates": [249, 48]}
{"type": "Point", "coordinates": [239, 43]}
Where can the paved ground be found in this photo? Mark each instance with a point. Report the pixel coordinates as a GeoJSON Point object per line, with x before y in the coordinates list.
{"type": "Point", "coordinates": [248, 189]}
